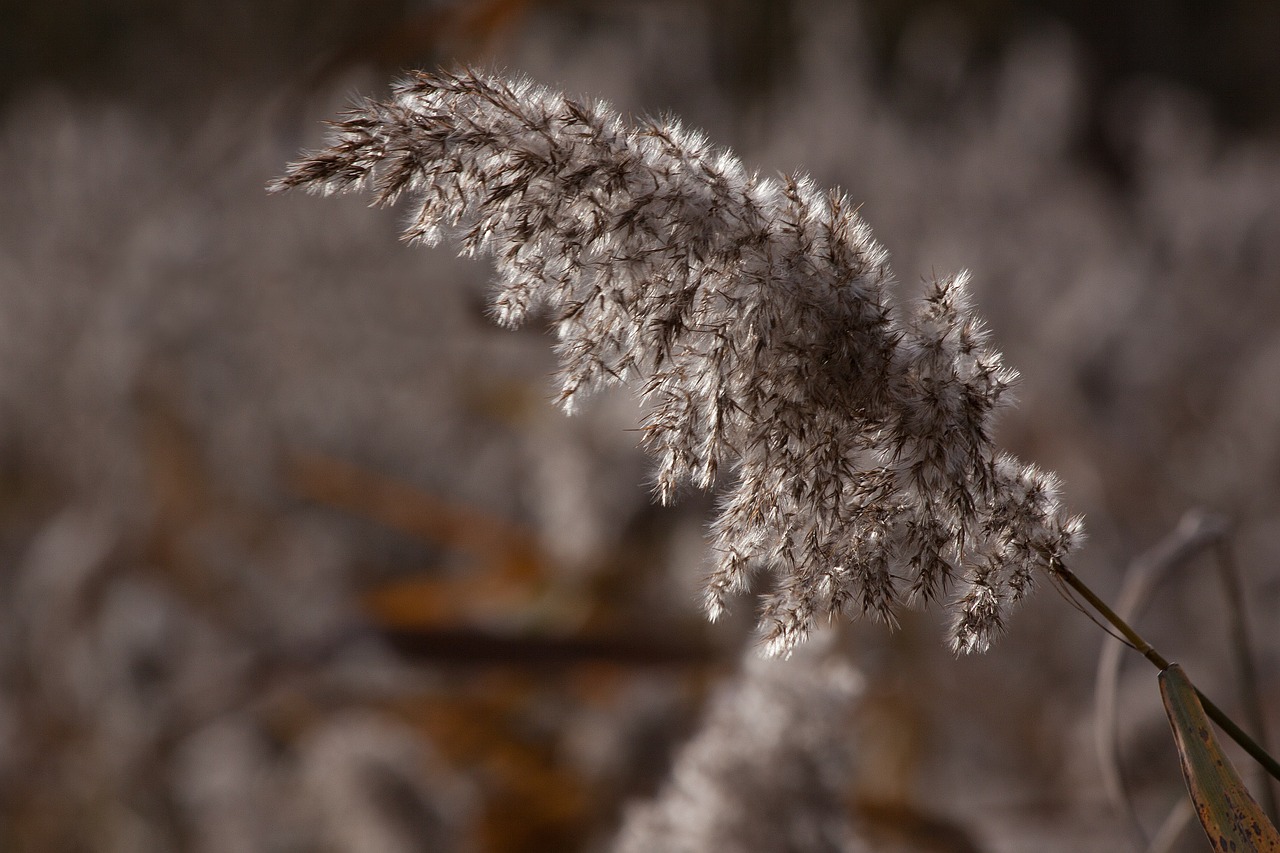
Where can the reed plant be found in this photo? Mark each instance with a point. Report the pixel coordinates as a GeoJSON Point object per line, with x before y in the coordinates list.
{"type": "Point", "coordinates": [847, 430]}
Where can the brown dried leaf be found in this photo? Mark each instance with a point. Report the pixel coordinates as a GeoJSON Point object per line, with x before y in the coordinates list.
{"type": "Point", "coordinates": [1230, 816]}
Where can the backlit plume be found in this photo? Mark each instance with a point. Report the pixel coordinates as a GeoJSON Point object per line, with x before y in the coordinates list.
{"type": "Point", "coordinates": [849, 434]}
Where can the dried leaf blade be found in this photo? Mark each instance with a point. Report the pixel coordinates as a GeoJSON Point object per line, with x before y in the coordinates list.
{"type": "Point", "coordinates": [1231, 818]}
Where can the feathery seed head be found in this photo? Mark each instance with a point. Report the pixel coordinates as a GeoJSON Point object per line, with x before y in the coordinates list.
{"type": "Point", "coordinates": [756, 317]}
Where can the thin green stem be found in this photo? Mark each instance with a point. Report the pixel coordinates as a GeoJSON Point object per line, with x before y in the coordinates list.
{"type": "Point", "coordinates": [1240, 640]}
{"type": "Point", "coordinates": [1239, 735]}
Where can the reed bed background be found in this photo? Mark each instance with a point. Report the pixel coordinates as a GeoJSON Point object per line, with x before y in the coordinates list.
{"type": "Point", "coordinates": [301, 555]}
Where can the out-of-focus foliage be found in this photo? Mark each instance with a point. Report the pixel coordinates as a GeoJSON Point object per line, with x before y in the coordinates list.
{"type": "Point", "coordinates": [214, 635]}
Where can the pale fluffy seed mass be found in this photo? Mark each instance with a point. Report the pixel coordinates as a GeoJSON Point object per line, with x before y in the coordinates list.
{"type": "Point", "coordinates": [850, 434]}
{"type": "Point", "coordinates": [770, 767]}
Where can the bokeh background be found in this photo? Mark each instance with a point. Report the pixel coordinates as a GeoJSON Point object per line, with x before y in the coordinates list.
{"type": "Point", "coordinates": [298, 555]}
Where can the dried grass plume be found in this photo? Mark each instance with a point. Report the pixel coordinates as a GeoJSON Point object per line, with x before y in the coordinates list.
{"type": "Point", "coordinates": [851, 434]}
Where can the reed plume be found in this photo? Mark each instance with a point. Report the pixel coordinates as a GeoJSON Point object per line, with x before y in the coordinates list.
{"type": "Point", "coordinates": [850, 434]}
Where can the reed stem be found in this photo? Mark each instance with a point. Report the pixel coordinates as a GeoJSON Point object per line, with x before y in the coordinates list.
{"type": "Point", "coordinates": [1229, 726]}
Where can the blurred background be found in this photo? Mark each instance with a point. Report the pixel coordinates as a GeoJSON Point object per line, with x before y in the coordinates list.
{"type": "Point", "coordinates": [298, 555]}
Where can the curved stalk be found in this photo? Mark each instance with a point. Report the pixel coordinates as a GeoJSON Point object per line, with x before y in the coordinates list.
{"type": "Point", "coordinates": [1228, 726]}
